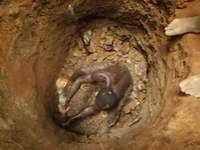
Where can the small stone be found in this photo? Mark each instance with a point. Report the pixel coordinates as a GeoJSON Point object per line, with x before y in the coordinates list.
{"type": "Point", "coordinates": [104, 114]}
{"type": "Point", "coordinates": [120, 54]}
{"type": "Point", "coordinates": [117, 45]}
{"type": "Point", "coordinates": [138, 70]}
{"type": "Point", "coordinates": [141, 86]}
{"type": "Point", "coordinates": [71, 9]}
{"type": "Point", "coordinates": [125, 48]}
{"type": "Point", "coordinates": [108, 47]}
{"type": "Point", "coordinates": [109, 40]}
{"type": "Point", "coordinates": [136, 120]}
{"type": "Point", "coordinates": [87, 37]}
{"type": "Point", "coordinates": [13, 10]}
{"type": "Point", "coordinates": [134, 95]}
{"type": "Point", "coordinates": [77, 53]}
{"type": "Point", "coordinates": [129, 107]}
{"type": "Point", "coordinates": [108, 43]}
{"type": "Point", "coordinates": [128, 61]}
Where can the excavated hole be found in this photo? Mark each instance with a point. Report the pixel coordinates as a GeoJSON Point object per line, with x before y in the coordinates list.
{"type": "Point", "coordinates": [100, 39]}
{"type": "Point", "coordinates": [106, 41]}
{"type": "Point", "coordinates": [52, 41]}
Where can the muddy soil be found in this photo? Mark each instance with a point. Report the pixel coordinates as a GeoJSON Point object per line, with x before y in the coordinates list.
{"type": "Point", "coordinates": [43, 40]}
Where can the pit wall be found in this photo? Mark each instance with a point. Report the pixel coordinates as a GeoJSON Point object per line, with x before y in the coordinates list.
{"type": "Point", "coordinates": [35, 38]}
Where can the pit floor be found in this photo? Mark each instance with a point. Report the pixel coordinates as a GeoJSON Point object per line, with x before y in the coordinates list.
{"type": "Point", "coordinates": [124, 53]}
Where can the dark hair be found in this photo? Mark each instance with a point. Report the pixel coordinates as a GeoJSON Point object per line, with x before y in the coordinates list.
{"type": "Point", "coordinates": [106, 99]}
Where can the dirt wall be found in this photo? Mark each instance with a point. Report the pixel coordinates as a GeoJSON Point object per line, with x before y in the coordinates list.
{"type": "Point", "coordinates": [37, 38]}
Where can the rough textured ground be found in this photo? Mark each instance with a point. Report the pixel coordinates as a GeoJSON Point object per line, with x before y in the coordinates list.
{"type": "Point", "coordinates": [108, 42]}
{"type": "Point", "coordinates": [36, 38]}
{"type": "Point", "coordinates": [180, 129]}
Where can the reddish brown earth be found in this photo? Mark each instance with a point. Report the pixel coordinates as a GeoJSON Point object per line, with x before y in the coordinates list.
{"type": "Point", "coordinates": [180, 129]}
{"type": "Point", "coordinates": [38, 37]}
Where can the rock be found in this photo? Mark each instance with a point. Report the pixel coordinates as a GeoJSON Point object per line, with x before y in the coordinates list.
{"type": "Point", "coordinates": [138, 69]}
{"type": "Point", "coordinates": [141, 86]}
{"type": "Point", "coordinates": [77, 53]}
{"type": "Point", "coordinates": [108, 43]}
{"type": "Point", "coordinates": [109, 40]}
{"type": "Point", "coordinates": [128, 61]}
{"type": "Point", "coordinates": [117, 45]}
{"type": "Point", "coordinates": [130, 106]}
{"type": "Point", "coordinates": [71, 9]}
{"type": "Point", "coordinates": [125, 48]}
{"type": "Point", "coordinates": [13, 10]}
{"type": "Point", "coordinates": [87, 37]}
{"type": "Point", "coordinates": [134, 95]}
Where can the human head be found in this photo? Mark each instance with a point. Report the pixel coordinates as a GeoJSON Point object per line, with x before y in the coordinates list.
{"type": "Point", "coordinates": [106, 99]}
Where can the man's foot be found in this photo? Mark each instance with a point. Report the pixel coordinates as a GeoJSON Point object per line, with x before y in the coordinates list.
{"type": "Point", "coordinates": [181, 25]}
{"type": "Point", "coordinates": [61, 83]}
{"type": "Point", "coordinates": [191, 85]}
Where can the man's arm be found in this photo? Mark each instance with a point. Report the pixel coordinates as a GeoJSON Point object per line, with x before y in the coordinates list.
{"type": "Point", "coordinates": [77, 84]}
{"type": "Point", "coordinates": [89, 69]}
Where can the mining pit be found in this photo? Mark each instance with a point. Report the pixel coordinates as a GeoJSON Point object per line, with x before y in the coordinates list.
{"type": "Point", "coordinates": [42, 40]}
